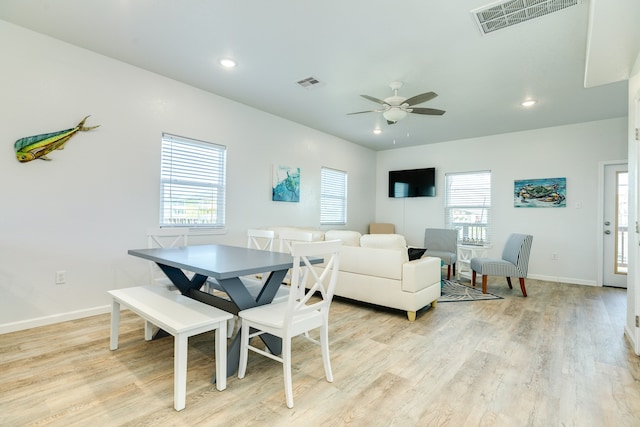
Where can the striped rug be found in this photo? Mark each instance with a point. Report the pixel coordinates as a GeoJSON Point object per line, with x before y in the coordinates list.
{"type": "Point", "coordinates": [454, 291]}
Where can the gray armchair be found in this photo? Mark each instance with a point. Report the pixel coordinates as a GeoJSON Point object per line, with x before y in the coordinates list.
{"type": "Point", "coordinates": [514, 262]}
{"type": "Point", "coordinates": [442, 243]}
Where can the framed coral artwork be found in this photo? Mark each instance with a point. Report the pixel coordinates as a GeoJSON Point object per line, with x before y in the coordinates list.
{"type": "Point", "coordinates": [285, 184]}
{"type": "Point", "coordinates": [540, 193]}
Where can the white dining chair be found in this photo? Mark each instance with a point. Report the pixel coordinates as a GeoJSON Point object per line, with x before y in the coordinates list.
{"type": "Point", "coordinates": [286, 238]}
{"type": "Point", "coordinates": [166, 237]}
{"type": "Point", "coordinates": [300, 313]}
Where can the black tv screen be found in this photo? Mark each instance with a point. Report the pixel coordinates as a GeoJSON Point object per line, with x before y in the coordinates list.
{"type": "Point", "coordinates": [412, 183]}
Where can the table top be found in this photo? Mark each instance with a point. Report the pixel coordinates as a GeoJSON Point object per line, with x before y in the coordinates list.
{"type": "Point", "coordinates": [219, 261]}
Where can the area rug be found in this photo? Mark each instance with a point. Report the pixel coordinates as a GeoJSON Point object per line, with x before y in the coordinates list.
{"type": "Point", "coordinates": [454, 291]}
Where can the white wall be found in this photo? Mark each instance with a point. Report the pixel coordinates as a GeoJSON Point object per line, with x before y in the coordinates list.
{"type": "Point", "coordinates": [81, 211]}
{"type": "Point", "coordinates": [571, 151]}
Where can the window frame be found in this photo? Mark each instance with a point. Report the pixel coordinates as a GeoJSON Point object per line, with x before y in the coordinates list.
{"type": "Point", "coordinates": [194, 170]}
{"type": "Point", "coordinates": [463, 197]}
{"type": "Point", "coordinates": [333, 196]}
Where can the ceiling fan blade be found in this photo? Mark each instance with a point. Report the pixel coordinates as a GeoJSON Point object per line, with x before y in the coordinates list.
{"type": "Point", "coordinates": [368, 111]}
{"type": "Point", "coordinates": [419, 99]}
{"type": "Point", "coordinates": [376, 100]}
{"type": "Point", "coordinates": [427, 111]}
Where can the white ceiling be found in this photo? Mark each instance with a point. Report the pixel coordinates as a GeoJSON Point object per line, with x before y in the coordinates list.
{"type": "Point", "coordinates": [358, 47]}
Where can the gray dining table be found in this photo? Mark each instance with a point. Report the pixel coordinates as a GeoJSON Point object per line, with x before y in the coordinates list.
{"type": "Point", "coordinates": [226, 264]}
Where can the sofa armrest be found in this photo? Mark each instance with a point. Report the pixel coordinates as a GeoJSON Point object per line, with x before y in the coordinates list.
{"type": "Point", "coordinates": [420, 274]}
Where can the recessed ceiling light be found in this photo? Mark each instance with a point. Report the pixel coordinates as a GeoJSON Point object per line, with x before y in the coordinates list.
{"type": "Point", "coordinates": [227, 62]}
{"type": "Point", "coordinates": [377, 131]}
{"type": "Point", "coordinates": [529, 103]}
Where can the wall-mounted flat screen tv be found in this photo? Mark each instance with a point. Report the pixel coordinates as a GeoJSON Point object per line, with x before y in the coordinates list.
{"type": "Point", "coordinates": [412, 183]}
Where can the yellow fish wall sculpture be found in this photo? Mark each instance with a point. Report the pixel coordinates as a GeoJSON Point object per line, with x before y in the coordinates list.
{"type": "Point", "coordinates": [38, 146]}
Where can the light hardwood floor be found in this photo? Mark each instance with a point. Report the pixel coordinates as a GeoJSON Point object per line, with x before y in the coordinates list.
{"type": "Point", "coordinates": [556, 358]}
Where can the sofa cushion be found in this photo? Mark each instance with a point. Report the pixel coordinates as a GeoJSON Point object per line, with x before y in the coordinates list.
{"type": "Point", "coordinates": [348, 238]}
{"type": "Point", "coordinates": [373, 262]}
{"type": "Point", "coordinates": [383, 241]}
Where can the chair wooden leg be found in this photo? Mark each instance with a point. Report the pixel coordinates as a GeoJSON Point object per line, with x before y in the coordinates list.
{"type": "Point", "coordinates": [509, 282]}
{"type": "Point", "coordinates": [524, 290]}
{"type": "Point", "coordinates": [411, 315]}
{"type": "Point", "coordinates": [244, 349]}
{"type": "Point", "coordinates": [473, 279]}
{"type": "Point", "coordinates": [286, 367]}
{"type": "Point", "coordinates": [324, 346]}
{"type": "Point", "coordinates": [449, 272]}
{"type": "Point", "coordinates": [454, 268]}
{"type": "Point", "coordinates": [484, 283]}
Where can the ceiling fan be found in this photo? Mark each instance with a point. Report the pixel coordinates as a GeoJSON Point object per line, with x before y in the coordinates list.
{"type": "Point", "coordinates": [395, 108]}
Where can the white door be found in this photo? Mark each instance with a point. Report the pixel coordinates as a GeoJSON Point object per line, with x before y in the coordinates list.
{"type": "Point", "coordinates": [615, 226]}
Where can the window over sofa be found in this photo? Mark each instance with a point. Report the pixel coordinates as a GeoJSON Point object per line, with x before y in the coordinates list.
{"type": "Point", "coordinates": [333, 197]}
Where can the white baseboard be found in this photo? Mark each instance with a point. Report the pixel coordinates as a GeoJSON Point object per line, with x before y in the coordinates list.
{"type": "Point", "coordinates": [50, 320]}
{"type": "Point", "coordinates": [630, 336]}
{"type": "Point", "coordinates": [569, 280]}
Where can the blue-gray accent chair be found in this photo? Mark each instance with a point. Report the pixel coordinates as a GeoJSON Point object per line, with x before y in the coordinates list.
{"type": "Point", "coordinates": [442, 243]}
{"type": "Point", "coordinates": [514, 262]}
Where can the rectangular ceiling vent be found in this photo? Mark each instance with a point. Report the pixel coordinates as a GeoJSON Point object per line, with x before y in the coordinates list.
{"type": "Point", "coordinates": [309, 82]}
{"type": "Point", "coordinates": [501, 15]}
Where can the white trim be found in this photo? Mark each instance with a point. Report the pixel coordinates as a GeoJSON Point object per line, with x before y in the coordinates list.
{"type": "Point", "coordinates": [599, 236]}
{"type": "Point", "coordinates": [54, 318]}
{"type": "Point", "coordinates": [569, 280]}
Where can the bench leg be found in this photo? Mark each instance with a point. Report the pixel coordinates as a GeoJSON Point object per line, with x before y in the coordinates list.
{"type": "Point", "coordinates": [148, 330]}
{"type": "Point", "coordinates": [115, 325]}
{"type": "Point", "coordinates": [180, 371]}
{"type": "Point", "coordinates": [221, 356]}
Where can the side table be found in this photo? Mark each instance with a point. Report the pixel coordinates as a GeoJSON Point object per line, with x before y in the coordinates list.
{"type": "Point", "coordinates": [465, 253]}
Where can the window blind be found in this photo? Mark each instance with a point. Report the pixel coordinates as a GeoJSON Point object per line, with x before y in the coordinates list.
{"type": "Point", "coordinates": [192, 183]}
{"type": "Point", "coordinates": [333, 197]}
{"type": "Point", "coordinates": [468, 206]}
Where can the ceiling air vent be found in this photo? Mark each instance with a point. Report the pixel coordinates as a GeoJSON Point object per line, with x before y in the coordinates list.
{"type": "Point", "coordinates": [309, 82]}
{"type": "Point", "coordinates": [507, 13]}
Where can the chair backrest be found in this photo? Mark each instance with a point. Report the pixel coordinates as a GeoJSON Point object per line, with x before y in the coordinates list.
{"type": "Point", "coordinates": [381, 228]}
{"type": "Point", "coordinates": [287, 237]}
{"type": "Point", "coordinates": [307, 281]}
{"type": "Point", "coordinates": [260, 239]}
{"type": "Point", "coordinates": [517, 250]}
{"type": "Point", "coordinates": [165, 238]}
{"type": "Point", "coordinates": [441, 239]}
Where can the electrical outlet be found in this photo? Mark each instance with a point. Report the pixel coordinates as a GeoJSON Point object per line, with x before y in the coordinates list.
{"type": "Point", "coordinates": [554, 257]}
{"type": "Point", "coordinates": [61, 277]}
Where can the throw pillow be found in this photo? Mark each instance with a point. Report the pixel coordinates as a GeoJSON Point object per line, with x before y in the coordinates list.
{"type": "Point", "coordinates": [415, 253]}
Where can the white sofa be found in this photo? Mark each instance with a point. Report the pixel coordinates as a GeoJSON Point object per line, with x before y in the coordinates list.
{"type": "Point", "coordinates": [375, 268]}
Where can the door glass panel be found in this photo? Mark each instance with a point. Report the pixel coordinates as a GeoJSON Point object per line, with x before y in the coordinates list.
{"type": "Point", "coordinates": [622, 226]}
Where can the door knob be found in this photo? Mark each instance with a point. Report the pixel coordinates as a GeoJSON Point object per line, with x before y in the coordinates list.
{"type": "Point", "coordinates": [607, 231]}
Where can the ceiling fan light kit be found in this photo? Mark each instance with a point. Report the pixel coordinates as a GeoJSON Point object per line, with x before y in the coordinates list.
{"type": "Point", "coordinates": [396, 108]}
{"type": "Point", "coordinates": [394, 114]}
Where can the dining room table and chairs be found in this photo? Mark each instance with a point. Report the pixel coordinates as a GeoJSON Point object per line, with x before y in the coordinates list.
{"type": "Point", "coordinates": [227, 265]}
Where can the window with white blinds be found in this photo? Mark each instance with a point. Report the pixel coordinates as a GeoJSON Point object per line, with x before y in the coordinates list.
{"type": "Point", "coordinates": [468, 206]}
{"type": "Point", "coordinates": [333, 197]}
{"type": "Point", "coordinates": [192, 183]}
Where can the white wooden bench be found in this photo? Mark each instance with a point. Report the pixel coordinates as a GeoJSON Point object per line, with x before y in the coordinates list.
{"type": "Point", "coordinates": [181, 317]}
